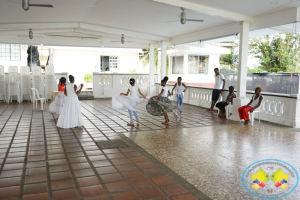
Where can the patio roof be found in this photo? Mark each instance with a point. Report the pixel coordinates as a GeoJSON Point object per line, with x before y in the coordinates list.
{"type": "Point", "coordinates": [93, 23]}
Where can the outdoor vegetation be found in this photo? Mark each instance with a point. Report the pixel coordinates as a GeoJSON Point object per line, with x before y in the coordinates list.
{"type": "Point", "coordinates": [88, 78]}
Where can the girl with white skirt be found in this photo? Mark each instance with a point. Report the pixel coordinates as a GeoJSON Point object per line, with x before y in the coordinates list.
{"type": "Point", "coordinates": [130, 102]}
{"type": "Point", "coordinates": [57, 105]}
{"type": "Point", "coordinates": [70, 116]}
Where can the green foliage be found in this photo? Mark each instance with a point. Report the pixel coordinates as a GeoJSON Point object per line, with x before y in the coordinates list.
{"type": "Point", "coordinates": [255, 70]}
{"type": "Point", "coordinates": [277, 52]}
{"type": "Point", "coordinates": [231, 59]}
{"type": "Point", "coordinates": [132, 71]}
{"type": "Point", "coordinates": [88, 78]}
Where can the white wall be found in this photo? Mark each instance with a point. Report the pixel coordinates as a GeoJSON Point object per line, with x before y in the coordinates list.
{"type": "Point", "coordinates": [22, 62]}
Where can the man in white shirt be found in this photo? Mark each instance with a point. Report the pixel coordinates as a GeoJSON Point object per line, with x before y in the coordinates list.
{"type": "Point", "coordinates": [218, 88]}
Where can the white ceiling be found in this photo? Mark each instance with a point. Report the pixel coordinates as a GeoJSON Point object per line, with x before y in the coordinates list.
{"type": "Point", "coordinates": [143, 21]}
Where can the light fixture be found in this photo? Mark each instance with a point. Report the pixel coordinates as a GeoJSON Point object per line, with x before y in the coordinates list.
{"type": "Point", "coordinates": [30, 34]}
{"type": "Point", "coordinates": [122, 39]}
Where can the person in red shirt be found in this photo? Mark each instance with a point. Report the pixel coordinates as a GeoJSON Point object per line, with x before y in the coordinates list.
{"type": "Point", "coordinates": [57, 105]}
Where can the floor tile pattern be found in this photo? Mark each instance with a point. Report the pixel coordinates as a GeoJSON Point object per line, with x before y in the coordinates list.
{"type": "Point", "coordinates": [40, 161]}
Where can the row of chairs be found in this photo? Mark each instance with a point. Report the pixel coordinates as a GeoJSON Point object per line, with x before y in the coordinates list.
{"type": "Point", "coordinates": [21, 84]}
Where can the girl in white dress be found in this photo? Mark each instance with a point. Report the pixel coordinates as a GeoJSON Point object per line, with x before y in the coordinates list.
{"type": "Point", "coordinates": [130, 102]}
{"type": "Point", "coordinates": [57, 105]}
{"type": "Point", "coordinates": [70, 116]}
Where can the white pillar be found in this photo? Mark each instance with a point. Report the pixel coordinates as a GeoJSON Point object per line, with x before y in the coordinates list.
{"type": "Point", "coordinates": [163, 59]}
{"type": "Point", "coordinates": [242, 71]}
{"type": "Point", "coordinates": [151, 65]}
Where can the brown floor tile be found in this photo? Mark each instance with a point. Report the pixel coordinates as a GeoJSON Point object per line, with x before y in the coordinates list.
{"type": "Point", "coordinates": [58, 162]}
{"type": "Point", "coordinates": [184, 197]}
{"type": "Point", "coordinates": [35, 164]}
{"type": "Point", "coordinates": [62, 184]}
{"type": "Point", "coordinates": [139, 159]}
{"type": "Point", "coordinates": [108, 151]}
{"type": "Point", "coordinates": [80, 166]}
{"type": "Point", "coordinates": [120, 161]}
{"type": "Point", "coordinates": [101, 163]}
{"type": "Point", "coordinates": [11, 173]}
{"type": "Point", "coordinates": [60, 175]}
{"type": "Point", "coordinates": [127, 167]}
{"type": "Point", "coordinates": [91, 190]}
{"type": "Point", "coordinates": [5, 182]}
{"type": "Point", "coordinates": [97, 198]}
{"type": "Point", "coordinates": [35, 188]}
{"type": "Point", "coordinates": [108, 178]}
{"type": "Point", "coordinates": [87, 181]}
{"type": "Point", "coordinates": [98, 157]}
{"type": "Point", "coordinates": [77, 160]}
{"type": "Point", "coordinates": [115, 155]}
{"type": "Point", "coordinates": [34, 171]}
{"type": "Point", "coordinates": [83, 173]}
{"type": "Point", "coordinates": [151, 193]}
{"type": "Point", "coordinates": [117, 186]}
{"type": "Point", "coordinates": [140, 183]}
{"type": "Point", "coordinates": [173, 189]}
{"type": "Point", "coordinates": [9, 191]}
{"type": "Point", "coordinates": [35, 178]}
{"type": "Point", "coordinates": [64, 194]}
{"type": "Point", "coordinates": [56, 156]}
{"type": "Point", "coordinates": [125, 196]}
{"type": "Point", "coordinates": [133, 175]}
{"type": "Point", "coordinates": [133, 153]}
{"type": "Point", "coordinates": [146, 165]}
{"type": "Point", "coordinates": [13, 166]}
{"type": "Point", "coordinates": [154, 172]}
{"type": "Point", "coordinates": [162, 180]}
{"type": "Point", "coordinates": [106, 170]}
{"type": "Point", "coordinates": [41, 196]}
{"type": "Point", "coordinates": [59, 168]}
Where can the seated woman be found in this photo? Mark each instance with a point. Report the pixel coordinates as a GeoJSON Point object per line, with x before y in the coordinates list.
{"type": "Point", "coordinates": [251, 106]}
{"type": "Point", "coordinates": [221, 105]}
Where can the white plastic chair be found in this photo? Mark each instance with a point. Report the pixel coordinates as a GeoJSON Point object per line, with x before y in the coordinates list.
{"type": "Point", "coordinates": [36, 97]}
{"type": "Point", "coordinates": [12, 69]}
{"type": "Point", "coordinates": [228, 110]}
{"type": "Point", "coordinates": [3, 87]}
{"type": "Point", "coordinates": [49, 85]}
{"type": "Point", "coordinates": [257, 110]}
{"type": "Point", "coordinates": [24, 70]}
{"type": "Point", "coordinates": [2, 70]}
{"type": "Point", "coordinates": [38, 83]}
{"type": "Point", "coordinates": [36, 70]}
{"type": "Point", "coordinates": [49, 70]}
{"type": "Point", "coordinates": [13, 88]}
{"type": "Point", "coordinates": [26, 86]}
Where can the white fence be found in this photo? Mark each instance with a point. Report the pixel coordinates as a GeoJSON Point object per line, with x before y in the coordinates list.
{"type": "Point", "coordinates": [106, 85]}
{"type": "Point", "coordinates": [280, 109]}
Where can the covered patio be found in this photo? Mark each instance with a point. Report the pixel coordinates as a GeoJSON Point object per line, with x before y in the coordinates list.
{"type": "Point", "coordinates": [199, 157]}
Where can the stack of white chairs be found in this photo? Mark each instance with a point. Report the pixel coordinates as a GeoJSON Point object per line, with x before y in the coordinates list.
{"type": "Point", "coordinates": [25, 79]}
{"type": "Point", "coordinates": [13, 88]}
{"type": "Point", "coordinates": [50, 81]}
{"type": "Point", "coordinates": [37, 80]}
{"type": "Point", "coordinates": [12, 69]}
{"type": "Point", "coordinates": [2, 83]}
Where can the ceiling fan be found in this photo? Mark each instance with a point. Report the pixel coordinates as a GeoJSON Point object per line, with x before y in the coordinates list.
{"type": "Point", "coordinates": [183, 18]}
{"type": "Point", "coordinates": [26, 5]}
{"type": "Point", "coordinates": [122, 39]}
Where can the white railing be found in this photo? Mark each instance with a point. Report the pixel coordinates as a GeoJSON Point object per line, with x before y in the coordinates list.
{"type": "Point", "coordinates": [280, 109]}
{"type": "Point", "coordinates": [106, 85]}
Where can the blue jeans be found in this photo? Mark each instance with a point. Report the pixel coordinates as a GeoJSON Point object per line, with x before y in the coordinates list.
{"type": "Point", "coordinates": [135, 114]}
{"type": "Point", "coordinates": [179, 101]}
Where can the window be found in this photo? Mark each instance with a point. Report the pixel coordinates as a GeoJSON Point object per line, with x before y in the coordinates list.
{"type": "Point", "coordinates": [198, 64]}
{"type": "Point", "coordinates": [113, 62]}
{"type": "Point", "coordinates": [177, 64]}
{"type": "Point", "coordinates": [10, 52]}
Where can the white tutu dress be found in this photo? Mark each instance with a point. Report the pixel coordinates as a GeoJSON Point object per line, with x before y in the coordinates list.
{"type": "Point", "coordinates": [120, 102]}
{"type": "Point", "coordinates": [70, 116]}
{"type": "Point", "coordinates": [57, 105]}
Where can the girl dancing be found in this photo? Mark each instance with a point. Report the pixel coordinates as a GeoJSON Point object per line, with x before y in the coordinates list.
{"type": "Point", "coordinates": [123, 101]}
{"type": "Point", "coordinates": [57, 105]}
{"type": "Point", "coordinates": [161, 105]}
{"type": "Point", "coordinates": [71, 113]}
{"type": "Point", "coordinates": [180, 89]}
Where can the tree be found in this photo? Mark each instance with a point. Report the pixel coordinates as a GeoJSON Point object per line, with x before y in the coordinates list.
{"type": "Point", "coordinates": [232, 58]}
{"type": "Point", "coordinates": [88, 78]}
{"type": "Point", "coordinates": [277, 52]}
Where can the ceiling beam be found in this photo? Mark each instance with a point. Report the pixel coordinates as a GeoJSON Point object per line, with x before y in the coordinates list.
{"type": "Point", "coordinates": [204, 9]}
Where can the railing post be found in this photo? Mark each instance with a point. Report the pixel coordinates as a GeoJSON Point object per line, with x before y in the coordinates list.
{"type": "Point", "coordinates": [151, 88]}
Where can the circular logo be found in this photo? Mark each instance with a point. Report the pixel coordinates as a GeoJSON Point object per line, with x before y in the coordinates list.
{"type": "Point", "coordinates": [270, 179]}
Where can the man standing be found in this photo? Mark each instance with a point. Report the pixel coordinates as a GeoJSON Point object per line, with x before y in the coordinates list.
{"type": "Point", "coordinates": [219, 87]}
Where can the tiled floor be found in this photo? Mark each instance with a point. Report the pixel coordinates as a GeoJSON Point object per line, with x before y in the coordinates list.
{"type": "Point", "coordinates": [40, 161]}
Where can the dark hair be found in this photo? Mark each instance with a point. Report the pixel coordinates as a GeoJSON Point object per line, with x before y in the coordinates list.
{"type": "Point", "coordinates": [231, 87]}
{"type": "Point", "coordinates": [62, 80]}
{"type": "Point", "coordinates": [71, 78]}
{"type": "Point", "coordinates": [179, 77]}
{"type": "Point", "coordinates": [216, 69]}
{"type": "Point", "coordinates": [165, 80]}
{"type": "Point", "coordinates": [132, 81]}
{"type": "Point", "coordinates": [258, 88]}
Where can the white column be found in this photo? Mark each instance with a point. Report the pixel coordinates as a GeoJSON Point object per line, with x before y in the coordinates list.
{"type": "Point", "coordinates": [243, 60]}
{"type": "Point", "coordinates": [163, 59]}
{"type": "Point", "coordinates": [242, 71]}
{"type": "Point", "coordinates": [151, 65]}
